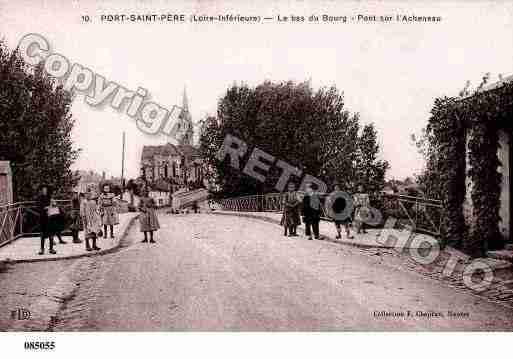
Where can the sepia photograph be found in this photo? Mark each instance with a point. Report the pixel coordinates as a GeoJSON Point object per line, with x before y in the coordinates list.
{"type": "Point", "coordinates": [265, 167]}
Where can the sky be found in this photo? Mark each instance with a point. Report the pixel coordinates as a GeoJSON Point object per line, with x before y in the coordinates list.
{"type": "Point", "coordinates": [390, 73]}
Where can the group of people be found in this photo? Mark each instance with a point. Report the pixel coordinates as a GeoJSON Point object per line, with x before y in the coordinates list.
{"type": "Point", "coordinates": [90, 211]}
{"type": "Point", "coordinates": [310, 209]}
{"type": "Point", "coordinates": [95, 213]}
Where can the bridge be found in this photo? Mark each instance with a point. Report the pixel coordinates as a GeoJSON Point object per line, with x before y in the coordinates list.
{"type": "Point", "coordinates": [419, 214]}
{"type": "Point", "coordinates": [236, 272]}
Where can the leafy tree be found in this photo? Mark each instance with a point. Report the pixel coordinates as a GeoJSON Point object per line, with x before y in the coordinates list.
{"type": "Point", "coordinates": [36, 123]}
{"type": "Point", "coordinates": [370, 170]}
{"type": "Point", "coordinates": [429, 179]}
{"type": "Point", "coordinates": [309, 130]}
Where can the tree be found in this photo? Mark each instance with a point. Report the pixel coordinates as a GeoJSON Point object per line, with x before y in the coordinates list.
{"type": "Point", "coordinates": [309, 130]}
{"type": "Point", "coordinates": [370, 170]}
{"type": "Point", "coordinates": [429, 179]}
{"type": "Point", "coordinates": [36, 122]}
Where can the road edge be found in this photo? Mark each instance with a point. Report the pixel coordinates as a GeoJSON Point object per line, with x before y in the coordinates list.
{"type": "Point", "coordinates": [44, 311]}
{"type": "Point", "coordinates": [81, 255]}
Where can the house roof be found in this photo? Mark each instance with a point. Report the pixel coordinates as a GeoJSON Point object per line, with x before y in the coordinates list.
{"type": "Point", "coordinates": [163, 150]}
{"type": "Point", "coordinates": [89, 176]}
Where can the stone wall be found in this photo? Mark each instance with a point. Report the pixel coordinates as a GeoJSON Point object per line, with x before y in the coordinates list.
{"type": "Point", "coordinates": [504, 158]}
{"type": "Point", "coordinates": [6, 190]}
{"type": "Point", "coordinates": [467, 204]}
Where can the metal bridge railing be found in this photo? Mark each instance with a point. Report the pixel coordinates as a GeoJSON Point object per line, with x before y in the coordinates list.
{"type": "Point", "coordinates": [21, 219]}
{"type": "Point", "coordinates": [271, 202]}
{"type": "Point", "coordinates": [422, 214]}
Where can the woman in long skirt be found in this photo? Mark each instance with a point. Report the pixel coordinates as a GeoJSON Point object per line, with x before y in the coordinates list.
{"type": "Point", "coordinates": [148, 218]}
{"type": "Point", "coordinates": [108, 210]}
{"type": "Point", "coordinates": [291, 216]}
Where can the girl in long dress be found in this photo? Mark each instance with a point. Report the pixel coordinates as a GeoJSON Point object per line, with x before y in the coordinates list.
{"type": "Point", "coordinates": [91, 219]}
{"type": "Point", "coordinates": [362, 204]}
{"type": "Point", "coordinates": [291, 216]}
{"type": "Point", "coordinates": [108, 210]}
{"type": "Point", "coordinates": [148, 218]}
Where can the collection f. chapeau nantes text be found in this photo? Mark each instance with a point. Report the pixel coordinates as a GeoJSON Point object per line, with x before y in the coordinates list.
{"type": "Point", "coordinates": [429, 314]}
{"type": "Point", "coordinates": [280, 18]}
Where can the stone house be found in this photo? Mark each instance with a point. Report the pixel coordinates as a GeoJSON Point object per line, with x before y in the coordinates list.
{"type": "Point", "coordinates": [485, 124]}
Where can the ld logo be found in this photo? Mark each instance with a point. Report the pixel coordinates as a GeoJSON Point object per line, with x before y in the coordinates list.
{"type": "Point", "coordinates": [20, 314]}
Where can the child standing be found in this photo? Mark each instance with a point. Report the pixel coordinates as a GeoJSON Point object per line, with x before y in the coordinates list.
{"type": "Point", "coordinates": [55, 221]}
{"type": "Point", "coordinates": [148, 218]}
{"type": "Point", "coordinates": [43, 202]}
{"type": "Point", "coordinates": [338, 207]}
{"type": "Point", "coordinates": [75, 218]}
{"type": "Point", "coordinates": [91, 219]}
{"type": "Point", "coordinates": [290, 218]}
{"type": "Point", "coordinates": [108, 210]}
{"type": "Point", "coordinates": [362, 204]}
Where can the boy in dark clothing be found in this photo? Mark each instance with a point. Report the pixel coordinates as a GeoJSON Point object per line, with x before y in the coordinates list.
{"type": "Point", "coordinates": [42, 203]}
{"type": "Point", "coordinates": [55, 221]}
{"type": "Point", "coordinates": [75, 218]}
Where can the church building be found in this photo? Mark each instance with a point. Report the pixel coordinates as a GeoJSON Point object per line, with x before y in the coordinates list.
{"type": "Point", "coordinates": [172, 166]}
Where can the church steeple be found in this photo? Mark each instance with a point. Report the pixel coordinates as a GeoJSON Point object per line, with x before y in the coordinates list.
{"type": "Point", "coordinates": [185, 101]}
{"type": "Point", "coordinates": [186, 122]}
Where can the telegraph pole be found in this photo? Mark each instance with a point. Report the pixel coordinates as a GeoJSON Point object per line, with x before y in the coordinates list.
{"type": "Point", "coordinates": [123, 167]}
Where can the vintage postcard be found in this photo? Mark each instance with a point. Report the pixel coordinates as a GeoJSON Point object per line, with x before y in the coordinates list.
{"type": "Point", "coordinates": [255, 166]}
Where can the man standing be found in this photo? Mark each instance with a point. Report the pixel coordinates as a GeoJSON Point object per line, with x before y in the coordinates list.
{"type": "Point", "coordinates": [311, 212]}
